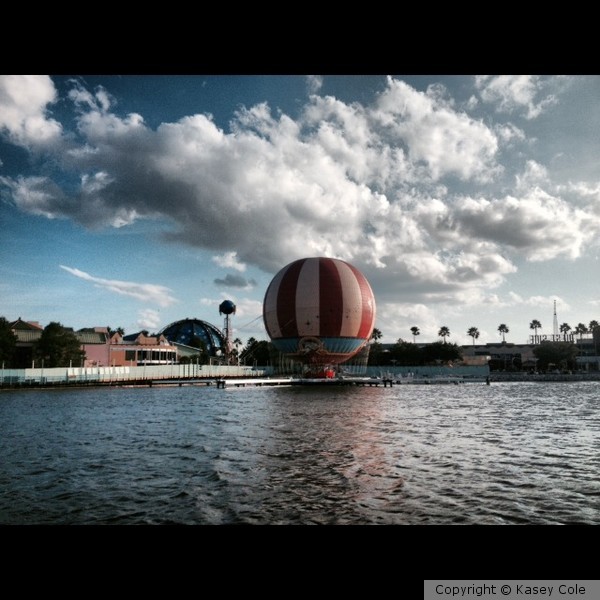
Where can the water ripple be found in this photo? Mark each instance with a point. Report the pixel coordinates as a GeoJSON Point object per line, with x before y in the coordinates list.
{"type": "Point", "coordinates": [515, 453]}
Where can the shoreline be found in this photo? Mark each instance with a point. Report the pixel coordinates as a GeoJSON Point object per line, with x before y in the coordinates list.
{"type": "Point", "coordinates": [494, 377]}
{"type": "Point", "coordinates": [499, 377]}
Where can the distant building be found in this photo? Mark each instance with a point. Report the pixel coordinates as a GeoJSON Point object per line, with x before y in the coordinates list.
{"type": "Point", "coordinates": [199, 334]}
{"type": "Point", "coordinates": [505, 356]}
{"type": "Point", "coordinates": [27, 332]}
{"type": "Point", "coordinates": [502, 356]}
{"type": "Point", "coordinates": [476, 361]}
{"type": "Point", "coordinates": [101, 348]}
{"type": "Point", "coordinates": [141, 349]}
{"type": "Point", "coordinates": [95, 343]}
{"type": "Point", "coordinates": [589, 345]}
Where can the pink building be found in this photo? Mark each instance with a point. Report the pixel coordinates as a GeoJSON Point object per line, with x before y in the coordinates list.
{"type": "Point", "coordinates": [96, 345]}
{"type": "Point", "coordinates": [141, 349]}
{"type": "Point", "coordinates": [102, 349]}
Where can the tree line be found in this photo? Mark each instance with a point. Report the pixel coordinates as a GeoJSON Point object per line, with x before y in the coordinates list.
{"type": "Point", "coordinates": [58, 346]}
{"type": "Point", "coordinates": [473, 332]}
{"type": "Point", "coordinates": [549, 354]}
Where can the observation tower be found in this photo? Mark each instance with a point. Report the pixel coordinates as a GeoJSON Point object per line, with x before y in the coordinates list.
{"type": "Point", "coordinates": [227, 308]}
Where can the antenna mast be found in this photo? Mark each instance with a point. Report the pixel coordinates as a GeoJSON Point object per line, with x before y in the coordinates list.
{"type": "Point", "coordinates": [555, 322]}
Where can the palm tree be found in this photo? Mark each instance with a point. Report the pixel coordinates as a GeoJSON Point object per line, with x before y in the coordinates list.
{"type": "Point", "coordinates": [376, 334]}
{"type": "Point", "coordinates": [594, 325]}
{"type": "Point", "coordinates": [564, 329]}
{"type": "Point", "coordinates": [444, 332]}
{"type": "Point", "coordinates": [581, 329]}
{"type": "Point", "coordinates": [503, 329]}
{"type": "Point", "coordinates": [118, 330]}
{"type": "Point", "coordinates": [474, 333]}
{"type": "Point", "coordinates": [237, 343]}
{"type": "Point", "coordinates": [535, 325]}
{"type": "Point", "coordinates": [415, 332]}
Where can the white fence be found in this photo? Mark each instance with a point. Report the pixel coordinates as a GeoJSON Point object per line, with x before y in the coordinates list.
{"type": "Point", "coordinates": [107, 375]}
{"type": "Point", "coordinates": [63, 375]}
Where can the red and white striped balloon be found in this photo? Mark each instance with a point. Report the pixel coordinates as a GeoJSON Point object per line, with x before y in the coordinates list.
{"type": "Point", "coordinates": [321, 304]}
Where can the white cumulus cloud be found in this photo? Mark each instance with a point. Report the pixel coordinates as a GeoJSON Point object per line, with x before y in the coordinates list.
{"type": "Point", "coordinates": [148, 319]}
{"type": "Point", "coordinates": [515, 93]}
{"type": "Point", "coordinates": [229, 260]}
{"type": "Point", "coordinates": [315, 83]}
{"type": "Point", "coordinates": [533, 175]}
{"type": "Point", "coordinates": [24, 101]}
{"type": "Point", "coordinates": [446, 140]}
{"type": "Point", "coordinates": [373, 183]}
{"type": "Point", "coordinates": [537, 224]}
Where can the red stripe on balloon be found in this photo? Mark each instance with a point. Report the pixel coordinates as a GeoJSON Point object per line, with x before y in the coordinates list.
{"type": "Point", "coordinates": [331, 305]}
{"type": "Point", "coordinates": [268, 302]}
{"type": "Point", "coordinates": [286, 300]}
{"type": "Point", "coordinates": [368, 305]}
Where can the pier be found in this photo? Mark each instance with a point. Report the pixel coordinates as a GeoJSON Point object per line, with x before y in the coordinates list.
{"type": "Point", "coordinates": [220, 377]}
{"type": "Point", "coordinates": [348, 381]}
{"type": "Point", "coordinates": [223, 377]}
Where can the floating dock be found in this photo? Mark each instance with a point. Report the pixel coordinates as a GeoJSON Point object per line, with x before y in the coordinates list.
{"type": "Point", "coordinates": [356, 381]}
{"type": "Point", "coordinates": [254, 381]}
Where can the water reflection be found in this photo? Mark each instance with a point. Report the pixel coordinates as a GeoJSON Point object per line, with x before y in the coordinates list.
{"type": "Point", "coordinates": [507, 453]}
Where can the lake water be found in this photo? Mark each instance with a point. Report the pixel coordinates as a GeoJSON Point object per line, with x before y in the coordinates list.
{"type": "Point", "coordinates": [510, 453]}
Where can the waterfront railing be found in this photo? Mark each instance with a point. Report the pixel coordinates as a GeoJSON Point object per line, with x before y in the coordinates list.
{"type": "Point", "coordinates": [108, 375]}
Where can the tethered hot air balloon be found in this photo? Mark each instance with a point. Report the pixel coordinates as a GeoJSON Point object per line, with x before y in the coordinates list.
{"type": "Point", "coordinates": [320, 311]}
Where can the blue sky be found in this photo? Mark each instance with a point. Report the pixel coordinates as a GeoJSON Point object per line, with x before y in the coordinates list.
{"type": "Point", "coordinates": [135, 201]}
